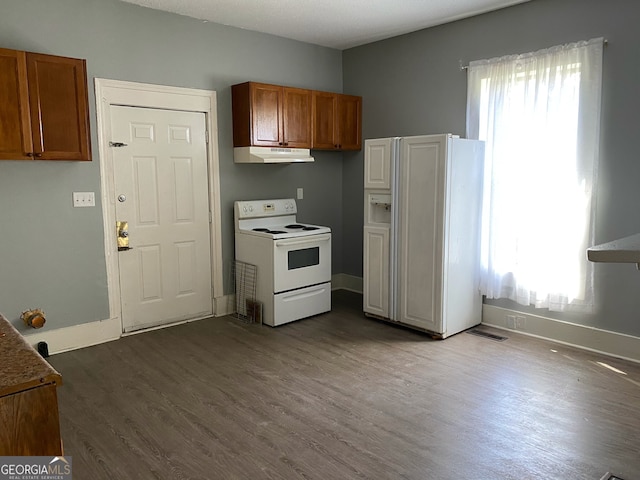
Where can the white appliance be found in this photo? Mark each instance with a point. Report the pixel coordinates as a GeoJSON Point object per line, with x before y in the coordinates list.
{"type": "Point", "coordinates": [422, 198]}
{"type": "Point", "coordinates": [293, 259]}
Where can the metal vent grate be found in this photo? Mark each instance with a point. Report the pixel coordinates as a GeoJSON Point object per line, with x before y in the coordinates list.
{"type": "Point", "coordinates": [488, 335]}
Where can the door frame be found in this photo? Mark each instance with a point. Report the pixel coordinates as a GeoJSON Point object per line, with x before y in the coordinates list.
{"type": "Point", "coordinates": [143, 95]}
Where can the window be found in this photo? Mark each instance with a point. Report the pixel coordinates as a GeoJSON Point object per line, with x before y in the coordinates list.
{"type": "Point", "coordinates": [539, 115]}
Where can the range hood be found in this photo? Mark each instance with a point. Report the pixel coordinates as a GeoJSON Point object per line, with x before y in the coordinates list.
{"type": "Point", "coordinates": [271, 155]}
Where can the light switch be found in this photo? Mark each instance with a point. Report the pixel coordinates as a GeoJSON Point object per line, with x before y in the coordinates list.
{"type": "Point", "coordinates": [84, 199]}
{"type": "Point", "coordinates": [300, 195]}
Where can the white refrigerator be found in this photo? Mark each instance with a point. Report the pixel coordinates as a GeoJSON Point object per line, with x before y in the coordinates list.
{"type": "Point", "coordinates": [421, 251]}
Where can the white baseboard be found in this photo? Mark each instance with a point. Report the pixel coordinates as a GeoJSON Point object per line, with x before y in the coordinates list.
{"type": "Point", "coordinates": [224, 305]}
{"type": "Point", "coordinates": [93, 333]}
{"type": "Point", "coordinates": [78, 336]}
{"type": "Point", "coordinates": [343, 281]}
{"type": "Point", "coordinates": [589, 338]}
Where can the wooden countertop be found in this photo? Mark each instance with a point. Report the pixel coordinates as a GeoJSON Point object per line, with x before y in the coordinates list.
{"type": "Point", "coordinates": [21, 366]}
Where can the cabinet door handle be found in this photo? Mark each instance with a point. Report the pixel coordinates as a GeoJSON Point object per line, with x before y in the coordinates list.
{"type": "Point", "coordinates": [29, 154]}
{"type": "Point", "coordinates": [38, 155]}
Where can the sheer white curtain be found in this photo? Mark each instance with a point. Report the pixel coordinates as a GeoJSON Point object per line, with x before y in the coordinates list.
{"type": "Point", "coordinates": [539, 114]}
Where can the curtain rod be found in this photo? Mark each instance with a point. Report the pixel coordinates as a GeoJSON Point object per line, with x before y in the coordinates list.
{"type": "Point", "coordinates": [466, 67]}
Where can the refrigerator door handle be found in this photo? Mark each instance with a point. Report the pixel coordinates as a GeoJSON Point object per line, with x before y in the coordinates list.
{"type": "Point", "coordinates": [393, 237]}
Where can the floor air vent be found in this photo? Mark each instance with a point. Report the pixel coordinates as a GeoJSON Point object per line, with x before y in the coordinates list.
{"type": "Point", "coordinates": [491, 336]}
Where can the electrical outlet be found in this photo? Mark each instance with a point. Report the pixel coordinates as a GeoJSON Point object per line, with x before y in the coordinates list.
{"type": "Point", "coordinates": [521, 322]}
{"type": "Point", "coordinates": [84, 199]}
{"type": "Point", "coordinates": [511, 322]}
{"type": "Point", "coordinates": [300, 194]}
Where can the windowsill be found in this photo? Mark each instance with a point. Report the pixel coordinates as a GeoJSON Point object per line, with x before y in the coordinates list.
{"type": "Point", "coordinates": [623, 250]}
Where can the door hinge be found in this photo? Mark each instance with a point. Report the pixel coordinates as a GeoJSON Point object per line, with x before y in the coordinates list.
{"type": "Point", "coordinates": [210, 217]}
{"type": "Point", "coordinates": [206, 136]}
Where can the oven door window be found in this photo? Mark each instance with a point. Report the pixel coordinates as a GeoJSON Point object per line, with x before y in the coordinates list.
{"type": "Point", "coordinates": [305, 257]}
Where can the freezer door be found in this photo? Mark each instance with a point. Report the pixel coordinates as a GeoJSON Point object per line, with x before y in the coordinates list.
{"type": "Point", "coordinates": [377, 165]}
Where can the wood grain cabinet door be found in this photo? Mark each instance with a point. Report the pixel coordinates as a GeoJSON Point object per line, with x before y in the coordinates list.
{"type": "Point", "coordinates": [58, 102]}
{"type": "Point", "coordinates": [297, 117]}
{"type": "Point", "coordinates": [266, 115]}
{"type": "Point", "coordinates": [325, 107]}
{"type": "Point", "coordinates": [31, 423]}
{"type": "Point", "coordinates": [349, 122]}
{"type": "Point", "coordinates": [15, 129]}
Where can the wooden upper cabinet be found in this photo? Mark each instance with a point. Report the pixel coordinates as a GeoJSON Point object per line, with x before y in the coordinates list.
{"type": "Point", "coordinates": [337, 121]}
{"type": "Point", "coordinates": [15, 124]}
{"type": "Point", "coordinates": [44, 111]}
{"type": "Point", "coordinates": [297, 117]}
{"type": "Point", "coordinates": [350, 122]}
{"type": "Point", "coordinates": [59, 107]}
{"type": "Point", "coordinates": [271, 116]}
{"type": "Point", "coordinates": [325, 111]}
{"type": "Point", "coordinates": [266, 115]}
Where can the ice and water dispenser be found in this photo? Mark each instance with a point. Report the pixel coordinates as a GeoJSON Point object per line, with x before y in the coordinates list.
{"type": "Point", "coordinates": [379, 208]}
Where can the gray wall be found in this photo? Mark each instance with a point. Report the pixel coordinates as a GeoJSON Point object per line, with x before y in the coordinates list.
{"type": "Point", "coordinates": [52, 255]}
{"type": "Point", "coordinates": [412, 84]}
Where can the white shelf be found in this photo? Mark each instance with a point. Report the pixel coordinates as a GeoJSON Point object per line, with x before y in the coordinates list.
{"type": "Point", "coordinates": [623, 250]}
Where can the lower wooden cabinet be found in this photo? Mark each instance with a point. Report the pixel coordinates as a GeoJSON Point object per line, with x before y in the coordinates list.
{"type": "Point", "coordinates": [29, 419]}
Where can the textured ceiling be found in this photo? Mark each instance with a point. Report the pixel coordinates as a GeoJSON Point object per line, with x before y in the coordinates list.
{"type": "Point", "coordinates": [337, 24]}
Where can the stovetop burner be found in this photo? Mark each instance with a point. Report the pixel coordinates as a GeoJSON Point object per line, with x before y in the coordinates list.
{"type": "Point", "coordinates": [297, 226]}
{"type": "Point", "coordinates": [266, 230]}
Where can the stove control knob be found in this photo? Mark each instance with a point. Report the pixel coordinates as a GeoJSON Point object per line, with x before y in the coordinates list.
{"type": "Point", "coordinates": [250, 208]}
{"type": "Point", "coordinates": [244, 209]}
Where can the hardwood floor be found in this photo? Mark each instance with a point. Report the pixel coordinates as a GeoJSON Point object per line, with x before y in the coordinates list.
{"type": "Point", "coordinates": [340, 396]}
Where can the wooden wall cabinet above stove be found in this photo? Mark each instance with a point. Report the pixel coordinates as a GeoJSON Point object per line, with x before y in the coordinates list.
{"type": "Point", "coordinates": [337, 121]}
{"type": "Point", "coordinates": [275, 116]}
{"type": "Point", "coordinates": [271, 116]}
{"type": "Point", "coordinates": [44, 112]}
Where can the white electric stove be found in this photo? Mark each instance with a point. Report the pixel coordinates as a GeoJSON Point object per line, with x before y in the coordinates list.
{"type": "Point", "coordinates": [293, 259]}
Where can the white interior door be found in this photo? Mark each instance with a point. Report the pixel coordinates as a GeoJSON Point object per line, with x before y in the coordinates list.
{"type": "Point", "coordinates": [161, 189]}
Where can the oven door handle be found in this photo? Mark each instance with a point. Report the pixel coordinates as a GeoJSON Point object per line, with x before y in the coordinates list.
{"type": "Point", "coordinates": [311, 239]}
